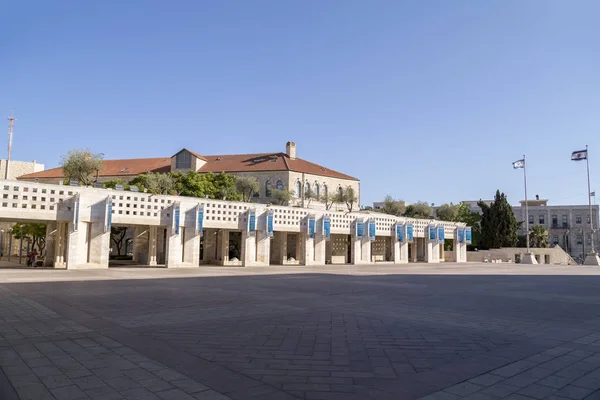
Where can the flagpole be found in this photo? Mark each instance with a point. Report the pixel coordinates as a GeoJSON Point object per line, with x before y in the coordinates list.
{"type": "Point", "coordinates": [587, 160]}
{"type": "Point", "coordinates": [526, 205]}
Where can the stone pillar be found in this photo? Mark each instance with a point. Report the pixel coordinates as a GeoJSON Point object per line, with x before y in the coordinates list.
{"type": "Point", "coordinates": [356, 250]}
{"type": "Point", "coordinates": [50, 244]}
{"type": "Point", "coordinates": [441, 247]}
{"type": "Point", "coordinates": [263, 248]}
{"type": "Point", "coordinates": [460, 249]}
{"type": "Point", "coordinates": [283, 247]}
{"type": "Point", "coordinates": [248, 248]}
{"type": "Point", "coordinates": [99, 244]}
{"type": "Point", "coordinates": [366, 251]}
{"type": "Point", "coordinates": [432, 252]}
{"type": "Point", "coordinates": [60, 245]}
{"type": "Point", "coordinates": [400, 252]}
{"type": "Point", "coordinates": [223, 245]}
{"type": "Point", "coordinates": [309, 249]}
{"type": "Point", "coordinates": [191, 247]}
{"type": "Point", "coordinates": [140, 245]}
{"type": "Point", "coordinates": [152, 257]}
{"type": "Point", "coordinates": [174, 247]}
{"type": "Point", "coordinates": [320, 248]}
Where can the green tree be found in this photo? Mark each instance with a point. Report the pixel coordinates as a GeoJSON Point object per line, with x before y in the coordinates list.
{"type": "Point", "coordinates": [348, 196]}
{"type": "Point", "coordinates": [112, 184]}
{"type": "Point", "coordinates": [157, 183]}
{"type": "Point", "coordinates": [34, 232]}
{"type": "Point", "coordinates": [213, 186]}
{"type": "Point", "coordinates": [447, 212]}
{"type": "Point", "coordinates": [282, 197]}
{"type": "Point", "coordinates": [329, 199]}
{"type": "Point", "coordinates": [471, 219]}
{"type": "Point", "coordinates": [393, 207]}
{"type": "Point", "coordinates": [498, 224]}
{"type": "Point", "coordinates": [117, 234]}
{"type": "Point", "coordinates": [420, 209]}
{"type": "Point", "coordinates": [246, 186]}
{"type": "Point", "coordinates": [81, 165]}
{"type": "Point", "coordinates": [538, 236]}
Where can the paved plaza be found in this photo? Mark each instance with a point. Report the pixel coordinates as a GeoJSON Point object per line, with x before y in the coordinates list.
{"type": "Point", "coordinates": [438, 332]}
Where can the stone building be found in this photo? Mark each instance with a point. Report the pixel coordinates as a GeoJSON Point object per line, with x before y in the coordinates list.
{"type": "Point", "coordinates": [279, 170]}
{"type": "Point", "coordinates": [19, 168]}
{"type": "Point", "coordinates": [568, 225]}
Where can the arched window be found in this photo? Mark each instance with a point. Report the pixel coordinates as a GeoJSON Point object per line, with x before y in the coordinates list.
{"type": "Point", "coordinates": [268, 189]}
{"type": "Point", "coordinates": [316, 190]}
{"type": "Point", "coordinates": [307, 189]}
{"type": "Point", "coordinates": [324, 191]}
{"type": "Point", "coordinates": [279, 185]}
{"type": "Point", "coordinates": [298, 189]}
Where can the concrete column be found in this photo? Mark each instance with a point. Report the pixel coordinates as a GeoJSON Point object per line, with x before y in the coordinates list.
{"type": "Point", "coordinates": [152, 257]}
{"type": "Point", "coordinates": [320, 248]}
{"type": "Point", "coordinates": [223, 245]}
{"type": "Point", "coordinates": [99, 244]}
{"type": "Point", "coordinates": [191, 247]}
{"type": "Point", "coordinates": [263, 248]}
{"type": "Point", "coordinates": [140, 245]}
{"type": "Point", "coordinates": [432, 252]}
{"type": "Point", "coordinates": [400, 252]}
{"type": "Point", "coordinates": [60, 245]}
{"type": "Point", "coordinates": [248, 248]}
{"type": "Point", "coordinates": [50, 244]}
{"type": "Point", "coordinates": [441, 247]}
{"type": "Point", "coordinates": [356, 250]}
{"type": "Point", "coordinates": [309, 249]}
{"type": "Point", "coordinates": [460, 249]}
{"type": "Point", "coordinates": [366, 251]}
{"type": "Point", "coordinates": [174, 247]}
{"type": "Point", "coordinates": [283, 247]}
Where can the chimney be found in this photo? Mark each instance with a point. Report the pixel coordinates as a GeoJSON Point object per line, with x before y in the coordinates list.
{"type": "Point", "coordinates": [290, 150]}
{"type": "Point", "coordinates": [537, 196]}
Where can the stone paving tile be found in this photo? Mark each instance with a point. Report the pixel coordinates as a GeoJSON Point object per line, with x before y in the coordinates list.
{"type": "Point", "coordinates": [369, 335]}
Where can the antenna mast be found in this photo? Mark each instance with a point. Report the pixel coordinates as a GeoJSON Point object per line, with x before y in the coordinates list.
{"type": "Point", "coordinates": [11, 123]}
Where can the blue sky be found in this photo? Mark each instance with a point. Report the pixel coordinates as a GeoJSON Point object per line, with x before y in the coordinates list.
{"type": "Point", "coordinates": [422, 100]}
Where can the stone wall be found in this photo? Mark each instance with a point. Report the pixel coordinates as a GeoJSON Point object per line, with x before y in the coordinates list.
{"type": "Point", "coordinates": [18, 168]}
{"type": "Point", "coordinates": [554, 255]}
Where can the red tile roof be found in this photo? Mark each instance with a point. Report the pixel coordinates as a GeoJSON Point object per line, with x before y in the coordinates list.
{"type": "Point", "coordinates": [129, 167]}
{"type": "Point", "coordinates": [224, 163]}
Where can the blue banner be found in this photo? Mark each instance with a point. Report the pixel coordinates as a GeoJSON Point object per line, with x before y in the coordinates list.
{"type": "Point", "coordinates": [200, 224]}
{"type": "Point", "coordinates": [311, 227]}
{"type": "Point", "coordinates": [270, 224]}
{"type": "Point", "coordinates": [400, 233]}
{"type": "Point", "coordinates": [432, 233]}
{"type": "Point", "coordinates": [469, 235]}
{"type": "Point", "coordinates": [360, 229]}
{"type": "Point", "coordinates": [109, 216]}
{"type": "Point", "coordinates": [409, 233]}
{"type": "Point", "coordinates": [372, 229]}
{"type": "Point", "coordinates": [251, 221]}
{"type": "Point", "coordinates": [176, 214]}
{"type": "Point", "coordinates": [461, 235]}
{"type": "Point", "coordinates": [441, 233]}
{"type": "Point", "coordinates": [327, 228]}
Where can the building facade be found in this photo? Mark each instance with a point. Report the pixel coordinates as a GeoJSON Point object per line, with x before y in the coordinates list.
{"type": "Point", "coordinates": [19, 168]}
{"type": "Point", "coordinates": [274, 171]}
{"type": "Point", "coordinates": [569, 226]}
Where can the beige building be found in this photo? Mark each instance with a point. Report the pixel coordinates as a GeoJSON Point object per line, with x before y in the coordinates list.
{"type": "Point", "coordinates": [19, 168]}
{"type": "Point", "coordinates": [279, 170]}
{"type": "Point", "coordinates": [568, 225]}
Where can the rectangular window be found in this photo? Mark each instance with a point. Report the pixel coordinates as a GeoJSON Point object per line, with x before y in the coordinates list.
{"type": "Point", "coordinates": [579, 238]}
{"type": "Point", "coordinates": [183, 160]}
{"type": "Point", "coordinates": [555, 239]}
{"type": "Point", "coordinates": [578, 219]}
{"type": "Point", "coordinates": [542, 220]}
{"type": "Point", "coordinates": [554, 221]}
{"type": "Point", "coordinates": [588, 218]}
{"type": "Point", "coordinates": [531, 220]}
{"type": "Point", "coordinates": [564, 221]}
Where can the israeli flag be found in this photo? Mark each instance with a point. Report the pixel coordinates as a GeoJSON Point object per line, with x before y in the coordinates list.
{"type": "Point", "coordinates": [579, 155]}
{"type": "Point", "coordinates": [519, 164]}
